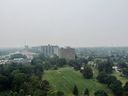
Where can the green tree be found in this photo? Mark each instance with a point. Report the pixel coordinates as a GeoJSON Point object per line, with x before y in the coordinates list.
{"type": "Point", "coordinates": [18, 81]}
{"type": "Point", "coordinates": [110, 79]}
{"type": "Point", "coordinates": [105, 66]}
{"type": "Point", "coordinates": [116, 87]}
{"type": "Point", "coordinates": [125, 72]}
{"type": "Point", "coordinates": [18, 56]}
{"type": "Point", "coordinates": [45, 87]}
{"type": "Point", "coordinates": [4, 83]}
{"type": "Point", "coordinates": [61, 62]}
{"type": "Point", "coordinates": [86, 92]}
{"type": "Point", "coordinates": [102, 77]}
{"type": "Point", "coordinates": [87, 72]}
{"type": "Point", "coordinates": [75, 91]}
{"type": "Point", "coordinates": [126, 89]}
{"type": "Point", "coordinates": [122, 65]}
{"type": "Point", "coordinates": [60, 93]}
{"type": "Point", "coordinates": [100, 93]}
{"type": "Point", "coordinates": [21, 92]}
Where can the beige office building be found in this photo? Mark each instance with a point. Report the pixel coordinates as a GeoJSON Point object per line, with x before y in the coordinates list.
{"type": "Point", "coordinates": [67, 53]}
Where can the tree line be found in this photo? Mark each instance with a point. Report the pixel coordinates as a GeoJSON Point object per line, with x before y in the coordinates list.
{"type": "Point", "coordinates": [22, 80]}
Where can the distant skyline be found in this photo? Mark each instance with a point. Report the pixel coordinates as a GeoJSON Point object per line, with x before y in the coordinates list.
{"type": "Point", "coordinates": [75, 23]}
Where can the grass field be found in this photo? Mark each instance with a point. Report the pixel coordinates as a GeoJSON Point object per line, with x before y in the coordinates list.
{"type": "Point", "coordinates": [64, 80]}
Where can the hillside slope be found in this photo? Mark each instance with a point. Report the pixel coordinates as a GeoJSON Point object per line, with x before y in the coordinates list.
{"type": "Point", "coordinates": [65, 78]}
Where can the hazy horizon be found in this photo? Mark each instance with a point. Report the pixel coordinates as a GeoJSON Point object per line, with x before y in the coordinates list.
{"type": "Point", "coordinates": [76, 23]}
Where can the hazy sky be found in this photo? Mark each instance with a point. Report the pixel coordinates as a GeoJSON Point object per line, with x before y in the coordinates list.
{"type": "Point", "coordinates": [64, 22]}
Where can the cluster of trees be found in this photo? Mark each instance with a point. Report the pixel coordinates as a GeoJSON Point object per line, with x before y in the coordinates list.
{"type": "Point", "coordinates": [105, 66]}
{"type": "Point", "coordinates": [78, 63]}
{"type": "Point", "coordinates": [18, 56]}
{"type": "Point", "coordinates": [100, 93]}
{"type": "Point", "coordinates": [21, 80]}
{"type": "Point", "coordinates": [49, 63]}
{"type": "Point", "coordinates": [125, 72]}
{"type": "Point", "coordinates": [56, 62]}
{"type": "Point", "coordinates": [123, 66]}
{"type": "Point", "coordinates": [105, 77]}
{"type": "Point", "coordinates": [81, 64]}
{"type": "Point", "coordinates": [114, 84]}
{"type": "Point", "coordinates": [87, 72]}
{"type": "Point", "coordinates": [87, 93]}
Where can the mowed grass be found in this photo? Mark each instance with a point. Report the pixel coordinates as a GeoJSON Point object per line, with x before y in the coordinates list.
{"type": "Point", "coordinates": [64, 80]}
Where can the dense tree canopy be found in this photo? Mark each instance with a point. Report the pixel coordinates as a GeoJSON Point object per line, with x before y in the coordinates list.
{"type": "Point", "coordinates": [116, 87]}
{"type": "Point", "coordinates": [126, 89]}
{"type": "Point", "coordinates": [22, 79]}
{"type": "Point", "coordinates": [125, 72]}
{"type": "Point", "coordinates": [105, 66]}
{"type": "Point", "coordinates": [87, 72]}
{"type": "Point", "coordinates": [18, 56]}
{"type": "Point", "coordinates": [100, 93]}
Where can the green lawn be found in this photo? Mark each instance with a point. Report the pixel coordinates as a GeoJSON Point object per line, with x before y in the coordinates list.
{"type": "Point", "coordinates": [65, 78]}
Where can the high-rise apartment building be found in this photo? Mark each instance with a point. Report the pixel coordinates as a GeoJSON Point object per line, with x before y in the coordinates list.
{"type": "Point", "coordinates": [49, 50]}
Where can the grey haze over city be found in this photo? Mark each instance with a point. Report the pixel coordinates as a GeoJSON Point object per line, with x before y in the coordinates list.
{"type": "Point", "coordinates": [76, 23]}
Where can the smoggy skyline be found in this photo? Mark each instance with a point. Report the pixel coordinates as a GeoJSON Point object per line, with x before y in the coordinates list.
{"type": "Point", "coordinates": [76, 23]}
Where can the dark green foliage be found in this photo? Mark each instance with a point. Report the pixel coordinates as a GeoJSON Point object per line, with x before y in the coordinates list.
{"type": "Point", "coordinates": [18, 80]}
{"type": "Point", "coordinates": [17, 56]}
{"type": "Point", "coordinates": [21, 92]}
{"type": "Point", "coordinates": [110, 79]}
{"type": "Point", "coordinates": [116, 87]}
{"type": "Point", "coordinates": [4, 83]}
{"type": "Point", "coordinates": [112, 82]}
{"type": "Point", "coordinates": [77, 63]}
{"type": "Point", "coordinates": [22, 80]}
{"type": "Point", "coordinates": [87, 72]}
{"type": "Point", "coordinates": [102, 77]}
{"type": "Point", "coordinates": [75, 91]}
{"type": "Point", "coordinates": [100, 93]}
{"type": "Point", "coordinates": [55, 68]}
{"type": "Point", "coordinates": [60, 93]}
{"type": "Point", "coordinates": [62, 62]}
{"type": "Point", "coordinates": [86, 92]}
{"type": "Point", "coordinates": [48, 63]}
{"type": "Point", "coordinates": [122, 65]}
{"type": "Point", "coordinates": [38, 70]}
{"type": "Point", "coordinates": [105, 66]}
{"type": "Point", "coordinates": [125, 72]}
{"type": "Point", "coordinates": [105, 78]}
{"type": "Point", "coordinates": [44, 85]}
{"type": "Point", "coordinates": [126, 89]}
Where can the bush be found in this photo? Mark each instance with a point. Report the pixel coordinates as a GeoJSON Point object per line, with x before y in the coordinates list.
{"type": "Point", "coordinates": [100, 93]}
{"type": "Point", "coordinates": [87, 72]}
{"type": "Point", "coordinates": [60, 93]}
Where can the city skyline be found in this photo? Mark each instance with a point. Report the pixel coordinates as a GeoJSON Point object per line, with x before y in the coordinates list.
{"type": "Point", "coordinates": [83, 23]}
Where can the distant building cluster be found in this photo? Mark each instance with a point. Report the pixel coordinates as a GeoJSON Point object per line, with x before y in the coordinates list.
{"type": "Point", "coordinates": [49, 50]}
